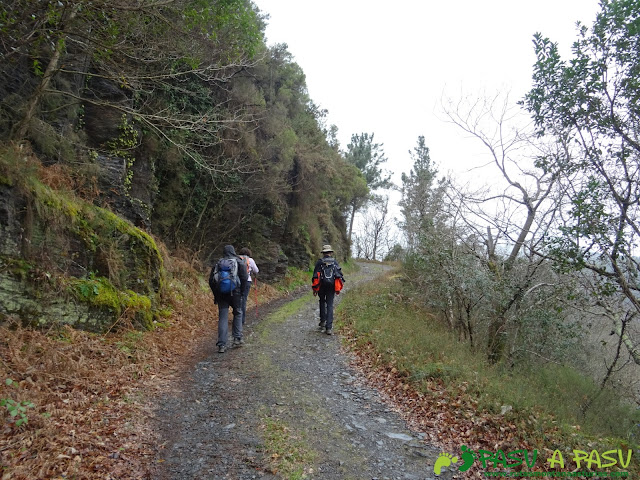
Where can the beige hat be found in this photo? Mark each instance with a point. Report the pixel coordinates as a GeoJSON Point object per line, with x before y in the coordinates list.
{"type": "Point", "coordinates": [327, 249]}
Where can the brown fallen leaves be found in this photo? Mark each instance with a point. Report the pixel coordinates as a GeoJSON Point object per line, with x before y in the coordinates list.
{"type": "Point", "coordinates": [83, 423]}
{"type": "Point", "coordinates": [90, 392]}
{"type": "Point", "coordinates": [449, 417]}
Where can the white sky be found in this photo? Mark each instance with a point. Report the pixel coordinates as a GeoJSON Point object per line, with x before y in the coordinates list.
{"type": "Point", "coordinates": [382, 67]}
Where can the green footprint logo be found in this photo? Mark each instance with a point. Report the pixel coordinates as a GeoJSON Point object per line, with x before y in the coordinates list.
{"type": "Point", "coordinates": [467, 457]}
{"type": "Point", "coordinates": [444, 460]}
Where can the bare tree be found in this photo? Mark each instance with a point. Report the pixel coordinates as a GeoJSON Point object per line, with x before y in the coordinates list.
{"type": "Point", "coordinates": [374, 235]}
{"type": "Point", "coordinates": [513, 216]}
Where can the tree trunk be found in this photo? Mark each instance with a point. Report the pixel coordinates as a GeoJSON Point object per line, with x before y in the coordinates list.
{"type": "Point", "coordinates": [23, 127]}
{"type": "Point", "coordinates": [469, 326]}
{"type": "Point", "coordinates": [353, 215]}
{"type": "Point", "coordinates": [497, 338]}
{"type": "Point", "coordinates": [633, 350]}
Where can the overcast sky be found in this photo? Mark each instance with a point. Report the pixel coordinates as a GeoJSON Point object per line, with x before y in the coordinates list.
{"type": "Point", "coordinates": [382, 67]}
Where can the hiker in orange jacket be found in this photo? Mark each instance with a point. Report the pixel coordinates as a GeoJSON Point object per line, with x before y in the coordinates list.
{"type": "Point", "coordinates": [325, 273]}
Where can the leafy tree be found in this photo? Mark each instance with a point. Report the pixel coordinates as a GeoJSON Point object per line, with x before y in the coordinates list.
{"type": "Point", "coordinates": [419, 202]}
{"type": "Point", "coordinates": [395, 254]}
{"type": "Point", "coordinates": [367, 156]}
{"type": "Point", "coordinates": [295, 186]}
{"type": "Point", "coordinates": [590, 104]}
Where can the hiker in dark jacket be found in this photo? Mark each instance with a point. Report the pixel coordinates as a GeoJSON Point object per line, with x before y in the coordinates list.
{"type": "Point", "coordinates": [326, 293]}
{"type": "Point", "coordinates": [226, 300]}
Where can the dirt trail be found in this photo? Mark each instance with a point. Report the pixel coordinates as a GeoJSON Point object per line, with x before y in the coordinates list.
{"type": "Point", "coordinates": [211, 422]}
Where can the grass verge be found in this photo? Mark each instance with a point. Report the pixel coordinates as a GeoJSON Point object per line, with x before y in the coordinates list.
{"type": "Point", "coordinates": [459, 399]}
{"type": "Point", "coordinates": [287, 451]}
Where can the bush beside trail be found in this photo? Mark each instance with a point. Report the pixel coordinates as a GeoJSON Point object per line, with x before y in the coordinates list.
{"type": "Point", "coordinates": [456, 397]}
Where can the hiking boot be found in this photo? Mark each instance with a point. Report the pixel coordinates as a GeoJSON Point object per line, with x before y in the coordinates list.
{"type": "Point", "coordinates": [222, 349]}
{"type": "Point", "coordinates": [321, 326]}
{"type": "Point", "coordinates": [329, 331]}
{"type": "Point", "coordinates": [238, 342]}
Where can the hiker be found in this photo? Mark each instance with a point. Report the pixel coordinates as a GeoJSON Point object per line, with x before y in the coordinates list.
{"type": "Point", "coordinates": [228, 280]}
{"type": "Point", "coordinates": [325, 276]}
{"type": "Point", "coordinates": [245, 254]}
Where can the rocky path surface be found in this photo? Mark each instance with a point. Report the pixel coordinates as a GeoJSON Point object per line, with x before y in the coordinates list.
{"type": "Point", "coordinates": [212, 421]}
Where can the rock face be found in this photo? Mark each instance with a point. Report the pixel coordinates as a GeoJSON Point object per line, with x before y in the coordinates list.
{"type": "Point", "coordinates": [86, 263]}
{"type": "Point", "coordinates": [273, 265]}
{"type": "Point", "coordinates": [10, 225]}
{"type": "Point", "coordinates": [297, 255]}
{"type": "Point", "coordinates": [102, 122]}
{"type": "Point", "coordinates": [66, 261]}
{"type": "Point", "coordinates": [21, 298]}
{"type": "Point", "coordinates": [132, 203]}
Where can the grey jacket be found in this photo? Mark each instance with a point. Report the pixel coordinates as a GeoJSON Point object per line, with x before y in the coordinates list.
{"type": "Point", "coordinates": [229, 252]}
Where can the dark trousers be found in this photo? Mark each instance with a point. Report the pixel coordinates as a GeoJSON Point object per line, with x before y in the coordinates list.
{"type": "Point", "coordinates": [326, 297]}
{"type": "Point", "coordinates": [224, 302]}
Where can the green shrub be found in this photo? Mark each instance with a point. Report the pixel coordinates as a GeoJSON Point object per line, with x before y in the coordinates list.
{"type": "Point", "coordinates": [17, 410]}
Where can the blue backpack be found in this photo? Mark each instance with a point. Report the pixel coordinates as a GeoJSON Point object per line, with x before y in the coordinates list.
{"type": "Point", "coordinates": [225, 276]}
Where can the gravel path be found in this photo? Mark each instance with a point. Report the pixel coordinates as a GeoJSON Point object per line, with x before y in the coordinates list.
{"type": "Point", "coordinates": [212, 422]}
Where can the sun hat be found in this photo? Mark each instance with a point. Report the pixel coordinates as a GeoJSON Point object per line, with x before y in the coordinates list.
{"type": "Point", "coordinates": [327, 249]}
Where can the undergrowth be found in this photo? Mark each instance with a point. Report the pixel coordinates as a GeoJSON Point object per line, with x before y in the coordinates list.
{"type": "Point", "coordinates": [295, 278]}
{"type": "Point", "coordinates": [539, 407]}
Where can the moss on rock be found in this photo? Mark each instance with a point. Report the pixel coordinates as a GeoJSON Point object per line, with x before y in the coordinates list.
{"type": "Point", "coordinates": [72, 262]}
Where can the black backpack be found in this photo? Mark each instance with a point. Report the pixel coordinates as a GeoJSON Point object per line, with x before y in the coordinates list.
{"type": "Point", "coordinates": [224, 276]}
{"type": "Point", "coordinates": [328, 273]}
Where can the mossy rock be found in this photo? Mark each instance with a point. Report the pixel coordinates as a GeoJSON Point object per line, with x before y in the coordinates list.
{"type": "Point", "coordinates": [38, 299]}
{"type": "Point", "coordinates": [82, 239]}
{"type": "Point", "coordinates": [64, 260]}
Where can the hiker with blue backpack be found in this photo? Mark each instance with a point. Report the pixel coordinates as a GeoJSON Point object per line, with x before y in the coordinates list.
{"type": "Point", "coordinates": [327, 281]}
{"type": "Point", "coordinates": [227, 281]}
